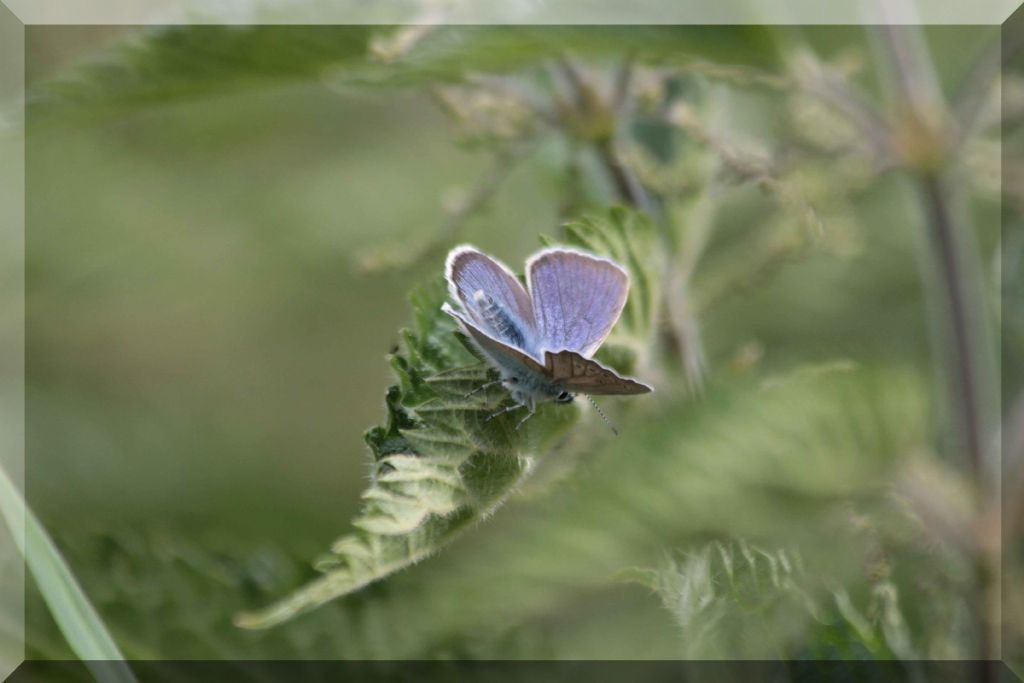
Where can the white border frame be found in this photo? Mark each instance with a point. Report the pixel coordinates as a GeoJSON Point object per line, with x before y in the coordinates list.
{"type": "Point", "coordinates": [12, 326]}
{"type": "Point", "coordinates": [15, 15]}
{"type": "Point", "coordinates": [611, 12]}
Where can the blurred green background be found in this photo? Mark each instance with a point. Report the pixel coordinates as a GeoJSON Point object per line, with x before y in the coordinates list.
{"type": "Point", "coordinates": [199, 338]}
{"type": "Point", "coordinates": [204, 352]}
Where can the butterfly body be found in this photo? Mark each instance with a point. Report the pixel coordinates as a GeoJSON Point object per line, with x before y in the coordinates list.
{"type": "Point", "coordinates": [529, 388]}
{"type": "Point", "coordinates": [541, 338]}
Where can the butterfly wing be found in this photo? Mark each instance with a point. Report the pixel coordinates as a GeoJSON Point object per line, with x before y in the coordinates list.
{"type": "Point", "coordinates": [513, 361]}
{"type": "Point", "coordinates": [577, 298]}
{"type": "Point", "coordinates": [492, 297]}
{"type": "Point", "coordinates": [578, 374]}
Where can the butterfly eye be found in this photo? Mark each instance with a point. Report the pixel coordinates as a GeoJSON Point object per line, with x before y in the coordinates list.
{"type": "Point", "coordinates": [564, 397]}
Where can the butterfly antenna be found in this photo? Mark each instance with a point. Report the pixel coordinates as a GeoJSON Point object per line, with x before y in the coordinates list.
{"type": "Point", "coordinates": [601, 413]}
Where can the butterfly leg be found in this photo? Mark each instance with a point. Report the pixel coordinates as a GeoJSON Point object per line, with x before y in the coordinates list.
{"type": "Point", "coordinates": [486, 385]}
{"type": "Point", "coordinates": [517, 406]}
{"type": "Point", "coordinates": [530, 414]}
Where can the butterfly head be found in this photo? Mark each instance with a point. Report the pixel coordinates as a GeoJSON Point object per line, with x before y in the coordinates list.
{"type": "Point", "coordinates": [565, 397]}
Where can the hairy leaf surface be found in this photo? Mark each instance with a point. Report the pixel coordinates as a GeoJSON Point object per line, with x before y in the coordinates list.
{"type": "Point", "coordinates": [440, 462]}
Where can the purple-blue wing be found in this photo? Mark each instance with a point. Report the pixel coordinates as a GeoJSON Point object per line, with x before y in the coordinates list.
{"type": "Point", "coordinates": [491, 296]}
{"type": "Point", "coordinates": [577, 298]}
{"type": "Point", "coordinates": [511, 361]}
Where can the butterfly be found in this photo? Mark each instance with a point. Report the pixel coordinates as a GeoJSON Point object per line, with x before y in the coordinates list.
{"type": "Point", "coordinates": [541, 338]}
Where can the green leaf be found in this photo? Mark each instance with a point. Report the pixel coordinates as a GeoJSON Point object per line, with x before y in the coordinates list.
{"type": "Point", "coordinates": [773, 463]}
{"type": "Point", "coordinates": [449, 52]}
{"type": "Point", "coordinates": [743, 600]}
{"type": "Point", "coordinates": [631, 239]}
{"type": "Point", "coordinates": [70, 607]}
{"type": "Point", "coordinates": [440, 461]}
{"type": "Point", "coordinates": [734, 599]}
{"type": "Point", "coordinates": [777, 463]}
{"type": "Point", "coordinates": [170, 63]}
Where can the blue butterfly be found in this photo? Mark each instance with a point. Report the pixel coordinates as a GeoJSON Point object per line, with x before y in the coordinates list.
{"type": "Point", "coordinates": [541, 338]}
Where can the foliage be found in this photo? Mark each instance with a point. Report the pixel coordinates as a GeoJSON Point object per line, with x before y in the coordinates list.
{"type": "Point", "coordinates": [799, 456]}
{"type": "Point", "coordinates": [790, 489]}
{"type": "Point", "coordinates": [736, 600]}
{"type": "Point", "coordinates": [75, 615]}
{"type": "Point", "coordinates": [169, 63]}
{"type": "Point", "coordinates": [440, 461]}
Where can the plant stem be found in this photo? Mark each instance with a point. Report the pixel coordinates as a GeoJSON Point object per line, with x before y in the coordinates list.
{"type": "Point", "coordinates": [921, 99]}
{"type": "Point", "coordinates": [975, 86]}
{"type": "Point", "coordinates": [942, 229]}
{"type": "Point", "coordinates": [967, 396]}
{"type": "Point", "coordinates": [813, 79]}
{"type": "Point", "coordinates": [626, 184]}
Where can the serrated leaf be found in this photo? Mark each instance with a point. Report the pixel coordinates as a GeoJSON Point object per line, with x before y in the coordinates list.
{"type": "Point", "coordinates": [675, 478]}
{"type": "Point", "coordinates": [733, 595]}
{"type": "Point", "coordinates": [447, 455]}
{"type": "Point", "coordinates": [170, 63]}
{"type": "Point", "coordinates": [387, 439]}
{"type": "Point", "coordinates": [401, 521]}
{"type": "Point", "coordinates": [743, 462]}
{"type": "Point", "coordinates": [440, 443]}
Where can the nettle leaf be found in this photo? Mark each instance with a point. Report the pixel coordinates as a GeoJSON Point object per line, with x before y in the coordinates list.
{"type": "Point", "coordinates": [772, 463]}
{"type": "Point", "coordinates": [734, 598]}
{"type": "Point", "coordinates": [632, 240]}
{"type": "Point", "coordinates": [171, 63]}
{"type": "Point", "coordinates": [778, 464]}
{"type": "Point", "coordinates": [437, 467]}
{"type": "Point", "coordinates": [446, 53]}
{"type": "Point", "coordinates": [440, 462]}
{"type": "Point", "coordinates": [739, 599]}
{"type": "Point", "coordinates": [165, 591]}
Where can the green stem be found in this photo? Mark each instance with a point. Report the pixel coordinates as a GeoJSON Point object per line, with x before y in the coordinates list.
{"type": "Point", "coordinates": [949, 258]}
{"type": "Point", "coordinates": [915, 79]}
{"type": "Point", "coordinates": [627, 186]}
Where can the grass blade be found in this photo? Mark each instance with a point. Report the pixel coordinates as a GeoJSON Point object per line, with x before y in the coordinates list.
{"type": "Point", "coordinates": [74, 614]}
